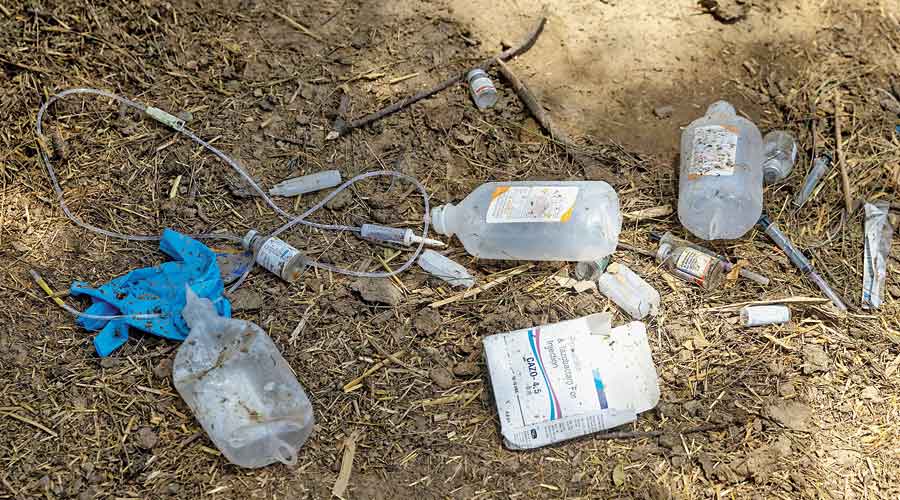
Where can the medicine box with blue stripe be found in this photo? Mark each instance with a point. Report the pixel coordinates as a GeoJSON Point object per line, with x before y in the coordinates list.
{"type": "Point", "coordinates": [569, 379]}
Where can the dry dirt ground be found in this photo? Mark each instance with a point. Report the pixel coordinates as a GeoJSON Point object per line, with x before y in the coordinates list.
{"type": "Point", "coordinates": [805, 410]}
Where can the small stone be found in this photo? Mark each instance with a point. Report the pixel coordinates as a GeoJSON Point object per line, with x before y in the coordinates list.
{"type": "Point", "coordinates": [890, 104]}
{"type": "Point", "coordinates": [466, 369]}
{"type": "Point", "coordinates": [578, 477]}
{"type": "Point", "coordinates": [678, 461]}
{"type": "Point", "coordinates": [146, 438]}
{"type": "Point", "coordinates": [532, 306]}
{"type": "Point", "coordinates": [787, 389]}
{"type": "Point", "coordinates": [669, 441]}
{"type": "Point", "coordinates": [814, 359]}
{"type": "Point", "coordinates": [700, 342]}
{"type": "Point", "coordinates": [20, 247]}
{"type": "Point", "coordinates": [663, 112]}
{"type": "Point", "coordinates": [693, 408]}
{"type": "Point", "coordinates": [108, 362]}
{"type": "Point", "coordinates": [427, 322]}
{"type": "Point", "coordinates": [530, 131]}
{"type": "Point", "coordinates": [442, 377]}
{"type": "Point", "coordinates": [246, 300]}
{"type": "Point", "coordinates": [791, 414]}
{"type": "Point", "coordinates": [307, 91]}
{"type": "Point", "coordinates": [378, 290]}
{"type": "Point", "coordinates": [163, 369]}
{"type": "Point", "coordinates": [340, 201]}
{"type": "Point", "coordinates": [707, 463]}
{"type": "Point", "coordinates": [464, 138]}
{"type": "Point", "coordinates": [869, 392]}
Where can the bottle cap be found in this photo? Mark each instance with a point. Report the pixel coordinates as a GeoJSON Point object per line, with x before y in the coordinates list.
{"type": "Point", "coordinates": [663, 252]}
{"type": "Point", "coordinates": [475, 73]}
{"type": "Point", "coordinates": [248, 239]}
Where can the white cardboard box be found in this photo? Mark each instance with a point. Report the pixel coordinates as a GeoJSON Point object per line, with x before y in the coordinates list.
{"type": "Point", "coordinates": [561, 381]}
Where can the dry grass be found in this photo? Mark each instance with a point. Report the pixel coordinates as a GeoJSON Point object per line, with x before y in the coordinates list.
{"type": "Point", "coordinates": [71, 424]}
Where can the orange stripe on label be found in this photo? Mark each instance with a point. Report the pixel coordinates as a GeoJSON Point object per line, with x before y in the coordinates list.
{"type": "Point", "coordinates": [497, 192]}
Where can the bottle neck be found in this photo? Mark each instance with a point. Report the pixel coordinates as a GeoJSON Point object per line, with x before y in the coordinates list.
{"type": "Point", "coordinates": [720, 109]}
{"type": "Point", "coordinates": [441, 219]}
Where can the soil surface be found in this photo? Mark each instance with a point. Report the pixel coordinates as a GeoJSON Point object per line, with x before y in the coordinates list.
{"type": "Point", "coordinates": [808, 409]}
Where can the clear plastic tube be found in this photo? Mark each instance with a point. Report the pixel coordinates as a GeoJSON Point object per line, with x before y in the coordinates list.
{"type": "Point", "coordinates": [292, 220]}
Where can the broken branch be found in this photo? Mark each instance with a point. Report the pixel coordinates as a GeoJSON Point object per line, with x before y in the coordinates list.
{"type": "Point", "coordinates": [506, 55]}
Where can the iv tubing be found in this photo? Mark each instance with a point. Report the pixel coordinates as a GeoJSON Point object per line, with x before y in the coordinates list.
{"type": "Point", "coordinates": [174, 124]}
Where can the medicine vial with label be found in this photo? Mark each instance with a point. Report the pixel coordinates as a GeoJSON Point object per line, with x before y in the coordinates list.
{"type": "Point", "coordinates": [721, 182]}
{"type": "Point", "coordinates": [535, 220]}
{"type": "Point", "coordinates": [690, 264]}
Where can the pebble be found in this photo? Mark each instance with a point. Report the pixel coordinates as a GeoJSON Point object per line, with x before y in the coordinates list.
{"type": "Point", "coordinates": [466, 369]}
{"type": "Point", "coordinates": [146, 438]}
{"type": "Point", "coordinates": [663, 112]}
{"type": "Point", "coordinates": [246, 300]}
{"type": "Point", "coordinates": [442, 377]}
{"type": "Point", "coordinates": [376, 290]}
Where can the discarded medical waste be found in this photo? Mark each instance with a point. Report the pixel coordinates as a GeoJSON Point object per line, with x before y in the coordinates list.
{"type": "Point", "coordinates": [560, 381]}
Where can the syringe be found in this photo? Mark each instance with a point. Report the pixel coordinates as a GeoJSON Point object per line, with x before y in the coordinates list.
{"type": "Point", "coordinates": [799, 260]}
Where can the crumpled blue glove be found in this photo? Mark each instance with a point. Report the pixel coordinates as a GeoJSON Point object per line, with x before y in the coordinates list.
{"type": "Point", "coordinates": [154, 290]}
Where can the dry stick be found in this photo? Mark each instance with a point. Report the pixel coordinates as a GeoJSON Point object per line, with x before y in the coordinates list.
{"type": "Point", "coordinates": [343, 479]}
{"type": "Point", "coordinates": [487, 63]}
{"type": "Point", "coordinates": [299, 27]}
{"type": "Point", "coordinates": [845, 179]}
{"type": "Point", "coordinates": [650, 434]}
{"type": "Point", "coordinates": [534, 107]}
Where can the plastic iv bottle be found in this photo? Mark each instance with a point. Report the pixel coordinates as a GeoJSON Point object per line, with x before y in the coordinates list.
{"type": "Point", "coordinates": [690, 264]}
{"type": "Point", "coordinates": [780, 154]}
{"type": "Point", "coordinates": [240, 388]}
{"type": "Point", "coordinates": [720, 187]}
{"type": "Point", "coordinates": [535, 220]}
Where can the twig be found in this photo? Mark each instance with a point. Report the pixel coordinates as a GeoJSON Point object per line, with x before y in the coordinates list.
{"type": "Point", "coordinates": [845, 179]}
{"type": "Point", "coordinates": [343, 479]}
{"type": "Point", "coordinates": [351, 385]}
{"type": "Point", "coordinates": [26, 420]}
{"type": "Point", "coordinates": [534, 107]}
{"type": "Point", "coordinates": [487, 63]}
{"type": "Point", "coordinates": [299, 27]}
{"type": "Point", "coordinates": [786, 300]}
{"type": "Point", "coordinates": [649, 434]}
{"type": "Point", "coordinates": [631, 248]}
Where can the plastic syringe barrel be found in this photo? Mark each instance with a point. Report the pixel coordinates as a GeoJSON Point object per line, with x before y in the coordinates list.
{"type": "Point", "coordinates": [820, 167]}
{"type": "Point", "coordinates": [800, 260]}
{"type": "Point", "coordinates": [785, 245]}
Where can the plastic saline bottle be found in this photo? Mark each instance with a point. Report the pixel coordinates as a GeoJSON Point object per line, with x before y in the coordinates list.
{"type": "Point", "coordinates": [721, 183]}
{"type": "Point", "coordinates": [240, 388]}
{"type": "Point", "coordinates": [535, 220]}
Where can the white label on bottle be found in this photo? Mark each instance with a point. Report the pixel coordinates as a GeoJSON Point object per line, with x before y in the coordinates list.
{"type": "Point", "coordinates": [714, 152]}
{"type": "Point", "coordinates": [694, 263]}
{"type": "Point", "coordinates": [275, 254]}
{"type": "Point", "coordinates": [532, 204]}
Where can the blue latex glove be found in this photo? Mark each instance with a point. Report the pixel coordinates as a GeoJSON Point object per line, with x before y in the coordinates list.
{"type": "Point", "coordinates": [154, 290]}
